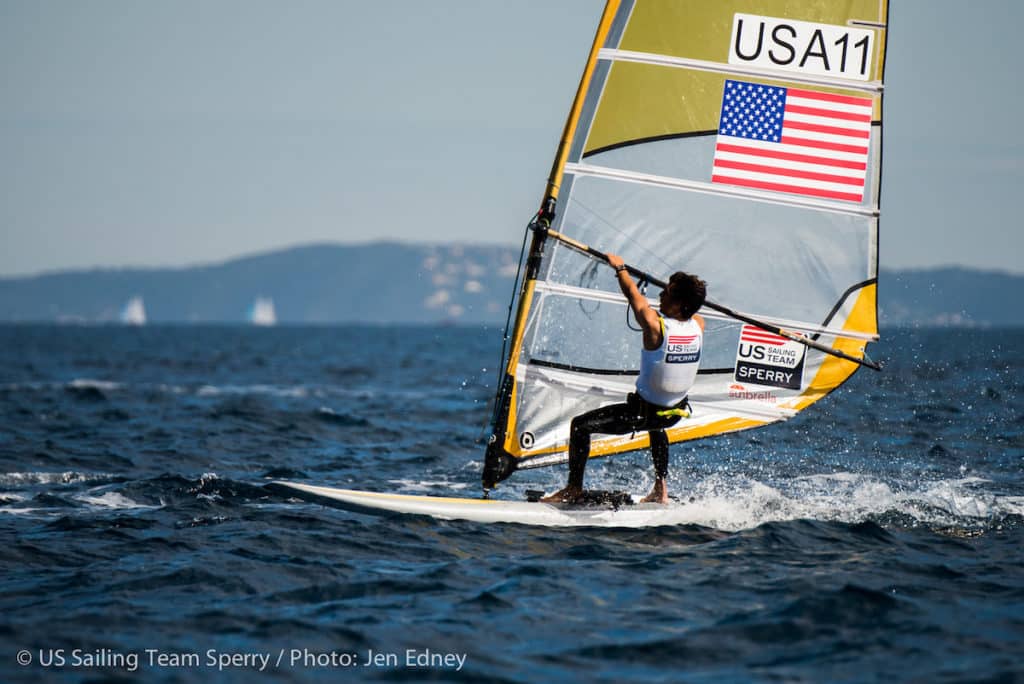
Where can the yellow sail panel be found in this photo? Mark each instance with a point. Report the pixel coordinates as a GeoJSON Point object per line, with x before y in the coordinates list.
{"type": "Point", "coordinates": [643, 101]}
{"type": "Point", "coordinates": [833, 371]}
{"type": "Point", "coordinates": [702, 30]}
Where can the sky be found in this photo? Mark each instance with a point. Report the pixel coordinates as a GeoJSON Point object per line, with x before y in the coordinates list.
{"type": "Point", "coordinates": [179, 132]}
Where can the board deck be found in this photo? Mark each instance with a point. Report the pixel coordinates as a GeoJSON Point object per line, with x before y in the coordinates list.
{"type": "Point", "coordinates": [491, 510]}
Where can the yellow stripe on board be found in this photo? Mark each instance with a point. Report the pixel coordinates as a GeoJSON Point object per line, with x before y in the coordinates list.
{"type": "Point", "coordinates": [403, 497]}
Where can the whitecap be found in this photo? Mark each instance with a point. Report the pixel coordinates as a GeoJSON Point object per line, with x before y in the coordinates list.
{"type": "Point", "coordinates": [297, 392]}
{"type": "Point", "coordinates": [89, 383]}
{"type": "Point", "coordinates": [36, 478]}
{"type": "Point", "coordinates": [111, 500]}
{"type": "Point", "coordinates": [427, 485]}
{"type": "Point", "coordinates": [24, 511]}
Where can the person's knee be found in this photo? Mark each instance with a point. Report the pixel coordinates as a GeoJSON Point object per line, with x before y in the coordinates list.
{"type": "Point", "coordinates": [579, 427]}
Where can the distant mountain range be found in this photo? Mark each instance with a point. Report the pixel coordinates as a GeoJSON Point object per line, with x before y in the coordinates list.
{"type": "Point", "coordinates": [392, 282]}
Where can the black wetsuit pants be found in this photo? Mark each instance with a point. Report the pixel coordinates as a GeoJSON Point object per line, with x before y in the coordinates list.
{"type": "Point", "coordinates": [635, 415]}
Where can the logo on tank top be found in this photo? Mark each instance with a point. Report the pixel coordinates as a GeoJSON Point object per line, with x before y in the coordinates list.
{"type": "Point", "coordinates": [682, 349]}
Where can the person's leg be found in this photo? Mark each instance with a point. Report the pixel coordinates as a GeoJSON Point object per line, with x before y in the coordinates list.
{"type": "Point", "coordinates": [611, 420]}
{"type": "Point", "coordinates": [659, 454]}
{"type": "Point", "coordinates": [656, 422]}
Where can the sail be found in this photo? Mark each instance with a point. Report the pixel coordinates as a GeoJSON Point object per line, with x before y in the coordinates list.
{"type": "Point", "coordinates": [738, 140]}
{"type": "Point", "coordinates": [134, 312]}
{"type": "Point", "coordinates": [262, 312]}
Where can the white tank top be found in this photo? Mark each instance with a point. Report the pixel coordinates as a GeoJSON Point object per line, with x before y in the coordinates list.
{"type": "Point", "coordinates": [668, 372]}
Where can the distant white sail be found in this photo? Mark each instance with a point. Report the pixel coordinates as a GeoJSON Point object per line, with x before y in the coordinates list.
{"type": "Point", "coordinates": [262, 312]}
{"type": "Point", "coordinates": [134, 312]}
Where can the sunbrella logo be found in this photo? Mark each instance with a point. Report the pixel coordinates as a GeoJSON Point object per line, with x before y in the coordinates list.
{"type": "Point", "coordinates": [737, 391]}
{"type": "Point", "coordinates": [764, 358]}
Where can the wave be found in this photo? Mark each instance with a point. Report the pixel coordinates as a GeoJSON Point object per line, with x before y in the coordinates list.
{"type": "Point", "coordinates": [86, 387]}
{"type": "Point", "coordinates": [112, 501]}
{"type": "Point", "coordinates": [738, 502]}
{"type": "Point", "coordinates": [49, 494]}
{"type": "Point", "coordinates": [298, 391]}
{"type": "Point", "coordinates": [332, 417]}
{"type": "Point", "coordinates": [62, 478]}
{"type": "Point", "coordinates": [89, 383]}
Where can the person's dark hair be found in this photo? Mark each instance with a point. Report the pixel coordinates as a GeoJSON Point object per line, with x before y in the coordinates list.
{"type": "Point", "coordinates": [688, 291]}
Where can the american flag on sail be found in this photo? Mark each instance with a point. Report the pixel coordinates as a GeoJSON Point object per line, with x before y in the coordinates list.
{"type": "Point", "coordinates": [751, 333]}
{"type": "Point", "coordinates": [793, 140]}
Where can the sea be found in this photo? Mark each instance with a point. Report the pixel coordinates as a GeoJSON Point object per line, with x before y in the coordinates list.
{"type": "Point", "coordinates": [876, 537]}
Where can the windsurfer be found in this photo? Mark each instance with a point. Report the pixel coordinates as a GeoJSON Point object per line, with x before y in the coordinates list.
{"type": "Point", "coordinates": [672, 341]}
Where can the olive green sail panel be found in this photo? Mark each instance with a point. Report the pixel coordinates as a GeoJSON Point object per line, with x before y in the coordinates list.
{"type": "Point", "coordinates": [640, 101]}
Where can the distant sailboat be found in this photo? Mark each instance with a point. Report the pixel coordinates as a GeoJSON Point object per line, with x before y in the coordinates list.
{"type": "Point", "coordinates": [134, 312]}
{"type": "Point", "coordinates": [262, 312]}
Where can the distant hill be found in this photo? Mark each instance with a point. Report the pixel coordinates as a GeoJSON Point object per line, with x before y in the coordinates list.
{"type": "Point", "coordinates": [375, 283]}
{"type": "Point", "coordinates": [392, 282]}
{"type": "Point", "coordinates": [950, 296]}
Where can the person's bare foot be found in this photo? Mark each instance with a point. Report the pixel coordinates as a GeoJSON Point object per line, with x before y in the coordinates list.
{"type": "Point", "coordinates": [566, 495]}
{"type": "Point", "coordinates": [659, 493]}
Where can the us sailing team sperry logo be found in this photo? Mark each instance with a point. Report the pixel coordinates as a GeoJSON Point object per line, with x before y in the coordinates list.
{"type": "Point", "coordinates": [764, 358]}
{"type": "Point", "coordinates": [682, 349]}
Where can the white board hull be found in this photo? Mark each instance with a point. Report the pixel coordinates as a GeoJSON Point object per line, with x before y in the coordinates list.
{"type": "Point", "coordinates": [495, 510]}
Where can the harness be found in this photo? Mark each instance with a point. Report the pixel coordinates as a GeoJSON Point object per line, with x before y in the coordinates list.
{"type": "Point", "coordinates": [644, 410]}
{"type": "Point", "coordinates": [682, 409]}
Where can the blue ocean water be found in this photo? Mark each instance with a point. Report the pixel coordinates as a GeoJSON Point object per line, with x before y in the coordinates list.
{"type": "Point", "coordinates": [875, 537]}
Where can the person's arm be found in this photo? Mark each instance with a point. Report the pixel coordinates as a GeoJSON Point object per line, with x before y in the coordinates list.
{"type": "Point", "coordinates": [646, 317]}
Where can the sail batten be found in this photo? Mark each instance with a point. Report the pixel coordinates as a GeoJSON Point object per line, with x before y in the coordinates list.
{"type": "Point", "coordinates": [618, 299]}
{"type": "Point", "coordinates": [703, 65]}
{"type": "Point", "coordinates": [698, 141]}
{"type": "Point", "coordinates": [713, 189]}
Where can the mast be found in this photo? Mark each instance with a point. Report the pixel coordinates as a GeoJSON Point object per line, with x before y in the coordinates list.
{"type": "Point", "coordinates": [498, 463]}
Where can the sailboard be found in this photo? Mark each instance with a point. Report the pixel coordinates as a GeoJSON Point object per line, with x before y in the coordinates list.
{"type": "Point", "coordinates": [494, 510]}
{"type": "Point", "coordinates": [739, 140]}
